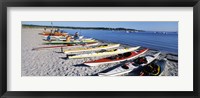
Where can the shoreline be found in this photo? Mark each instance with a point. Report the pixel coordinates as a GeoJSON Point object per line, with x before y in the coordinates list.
{"type": "Point", "coordinates": [51, 62]}
{"type": "Point", "coordinates": [83, 28]}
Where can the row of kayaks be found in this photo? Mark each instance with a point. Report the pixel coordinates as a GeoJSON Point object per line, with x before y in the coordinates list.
{"type": "Point", "coordinates": [111, 53]}
{"type": "Point", "coordinates": [147, 63]}
{"type": "Point", "coordinates": [59, 41]}
{"type": "Point", "coordinates": [60, 38]}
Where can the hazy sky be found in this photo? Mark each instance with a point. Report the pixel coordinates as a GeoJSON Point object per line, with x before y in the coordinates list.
{"type": "Point", "coordinates": [148, 26]}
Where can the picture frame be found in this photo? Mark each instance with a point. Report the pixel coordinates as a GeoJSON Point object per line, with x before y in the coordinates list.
{"type": "Point", "coordinates": [103, 3]}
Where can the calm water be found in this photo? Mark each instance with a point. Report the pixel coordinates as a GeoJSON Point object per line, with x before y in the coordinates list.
{"type": "Point", "coordinates": [159, 41]}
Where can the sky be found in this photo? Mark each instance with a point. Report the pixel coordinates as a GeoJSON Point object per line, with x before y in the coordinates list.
{"type": "Point", "coordinates": [147, 26]}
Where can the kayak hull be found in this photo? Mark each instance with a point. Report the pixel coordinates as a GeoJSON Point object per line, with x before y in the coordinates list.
{"type": "Point", "coordinates": [92, 49]}
{"type": "Point", "coordinates": [108, 61]}
{"type": "Point", "coordinates": [118, 51]}
{"type": "Point", "coordinates": [115, 73]}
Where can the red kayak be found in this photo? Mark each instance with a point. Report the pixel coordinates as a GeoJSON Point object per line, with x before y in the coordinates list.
{"type": "Point", "coordinates": [117, 58]}
{"type": "Point", "coordinates": [68, 45]}
{"type": "Point", "coordinates": [53, 34]}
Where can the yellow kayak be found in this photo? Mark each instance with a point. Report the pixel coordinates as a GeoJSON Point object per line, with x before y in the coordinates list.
{"type": "Point", "coordinates": [100, 47]}
{"type": "Point", "coordinates": [106, 53]}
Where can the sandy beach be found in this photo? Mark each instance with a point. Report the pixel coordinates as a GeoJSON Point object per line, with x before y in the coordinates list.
{"type": "Point", "coordinates": [52, 62]}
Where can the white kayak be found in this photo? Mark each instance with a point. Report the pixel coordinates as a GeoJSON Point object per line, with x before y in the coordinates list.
{"type": "Point", "coordinates": [66, 46]}
{"type": "Point", "coordinates": [96, 48]}
{"type": "Point", "coordinates": [63, 38]}
{"type": "Point", "coordinates": [130, 66]}
{"type": "Point", "coordinates": [106, 53]}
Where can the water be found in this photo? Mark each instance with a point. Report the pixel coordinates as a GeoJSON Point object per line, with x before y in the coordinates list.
{"type": "Point", "coordinates": [163, 41]}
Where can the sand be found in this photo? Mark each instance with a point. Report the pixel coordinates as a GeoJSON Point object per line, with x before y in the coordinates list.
{"type": "Point", "coordinates": [52, 62]}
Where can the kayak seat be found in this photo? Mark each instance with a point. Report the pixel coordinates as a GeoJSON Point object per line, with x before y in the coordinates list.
{"type": "Point", "coordinates": [112, 57]}
{"type": "Point", "coordinates": [104, 45]}
{"type": "Point", "coordinates": [125, 66]}
{"type": "Point", "coordinates": [103, 50]}
{"type": "Point", "coordinates": [120, 56]}
{"type": "Point", "coordinates": [156, 70]}
{"type": "Point", "coordinates": [140, 60]}
{"type": "Point", "coordinates": [152, 70]}
{"type": "Point", "coordinates": [127, 54]}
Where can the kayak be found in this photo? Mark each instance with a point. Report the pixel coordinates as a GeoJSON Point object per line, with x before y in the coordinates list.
{"type": "Point", "coordinates": [54, 37]}
{"type": "Point", "coordinates": [153, 69]}
{"type": "Point", "coordinates": [63, 38]}
{"type": "Point", "coordinates": [53, 34]}
{"type": "Point", "coordinates": [130, 66]}
{"type": "Point", "coordinates": [67, 45]}
{"type": "Point", "coordinates": [71, 42]}
{"type": "Point", "coordinates": [105, 53]}
{"type": "Point", "coordinates": [117, 58]}
{"type": "Point", "coordinates": [96, 48]}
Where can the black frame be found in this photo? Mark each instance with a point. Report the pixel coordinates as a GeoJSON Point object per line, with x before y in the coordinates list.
{"type": "Point", "coordinates": [100, 3]}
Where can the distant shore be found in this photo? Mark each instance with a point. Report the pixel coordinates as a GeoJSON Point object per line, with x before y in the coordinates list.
{"type": "Point", "coordinates": [51, 62]}
{"type": "Point", "coordinates": [84, 28]}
